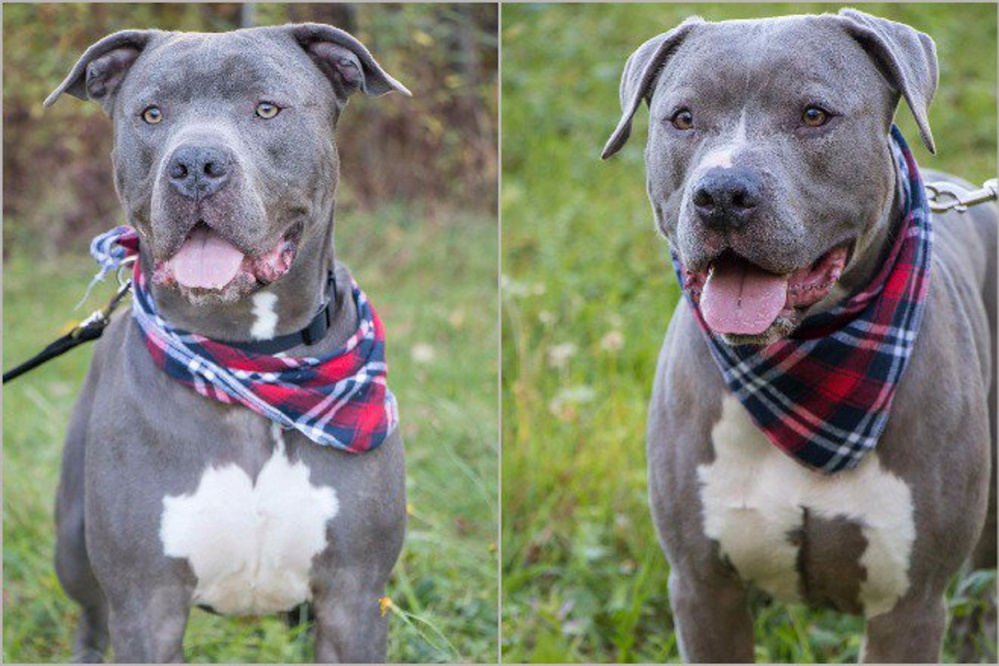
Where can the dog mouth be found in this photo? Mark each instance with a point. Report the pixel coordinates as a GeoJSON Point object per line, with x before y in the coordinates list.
{"type": "Point", "coordinates": [745, 303]}
{"type": "Point", "coordinates": [208, 264]}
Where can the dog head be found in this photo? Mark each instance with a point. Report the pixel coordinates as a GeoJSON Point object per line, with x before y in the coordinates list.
{"type": "Point", "coordinates": [768, 162]}
{"type": "Point", "coordinates": [224, 153]}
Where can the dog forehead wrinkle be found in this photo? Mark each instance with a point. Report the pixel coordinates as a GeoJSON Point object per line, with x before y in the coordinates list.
{"type": "Point", "coordinates": [772, 61]}
{"type": "Point", "coordinates": [753, 494]}
{"type": "Point", "coordinates": [250, 542]}
{"type": "Point", "coordinates": [210, 71]}
{"type": "Point", "coordinates": [228, 81]}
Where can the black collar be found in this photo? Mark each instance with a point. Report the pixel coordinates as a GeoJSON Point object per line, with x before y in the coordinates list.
{"type": "Point", "coordinates": [311, 334]}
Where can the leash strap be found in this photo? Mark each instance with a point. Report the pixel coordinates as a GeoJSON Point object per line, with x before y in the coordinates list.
{"type": "Point", "coordinates": [58, 347]}
{"type": "Point", "coordinates": [88, 330]}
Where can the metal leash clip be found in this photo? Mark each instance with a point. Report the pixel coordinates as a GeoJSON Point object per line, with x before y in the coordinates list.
{"type": "Point", "coordinates": [126, 263]}
{"type": "Point", "coordinates": [102, 316]}
{"type": "Point", "coordinates": [948, 196]}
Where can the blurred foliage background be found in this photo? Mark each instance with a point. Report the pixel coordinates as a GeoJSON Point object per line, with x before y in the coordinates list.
{"type": "Point", "coordinates": [433, 152]}
{"type": "Point", "coordinates": [587, 294]}
{"type": "Point", "coordinates": [416, 222]}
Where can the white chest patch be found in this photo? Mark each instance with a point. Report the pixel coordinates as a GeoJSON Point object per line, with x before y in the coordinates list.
{"type": "Point", "coordinates": [266, 320]}
{"type": "Point", "coordinates": [753, 496]}
{"type": "Point", "coordinates": [250, 544]}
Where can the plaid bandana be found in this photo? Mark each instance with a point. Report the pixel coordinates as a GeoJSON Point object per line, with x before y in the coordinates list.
{"type": "Point", "coordinates": [340, 400]}
{"type": "Point", "coordinates": [824, 395]}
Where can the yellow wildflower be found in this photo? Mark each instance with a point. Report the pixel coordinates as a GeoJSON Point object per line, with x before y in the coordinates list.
{"type": "Point", "coordinates": [385, 604]}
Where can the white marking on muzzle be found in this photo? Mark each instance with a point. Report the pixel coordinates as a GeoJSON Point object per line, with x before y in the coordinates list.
{"type": "Point", "coordinates": [250, 543]}
{"type": "Point", "coordinates": [754, 495]}
{"type": "Point", "coordinates": [724, 157]}
{"type": "Point", "coordinates": [721, 159]}
{"type": "Point", "coordinates": [266, 317]}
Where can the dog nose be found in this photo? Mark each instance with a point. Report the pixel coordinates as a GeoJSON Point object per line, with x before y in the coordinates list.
{"type": "Point", "coordinates": [199, 171]}
{"type": "Point", "coordinates": [727, 198]}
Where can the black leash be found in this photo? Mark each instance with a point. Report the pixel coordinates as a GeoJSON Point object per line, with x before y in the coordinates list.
{"type": "Point", "coordinates": [87, 330]}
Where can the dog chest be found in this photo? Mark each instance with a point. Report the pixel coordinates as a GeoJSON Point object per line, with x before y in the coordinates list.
{"type": "Point", "coordinates": [250, 542]}
{"type": "Point", "coordinates": [770, 515]}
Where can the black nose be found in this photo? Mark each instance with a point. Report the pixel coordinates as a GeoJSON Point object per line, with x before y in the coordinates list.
{"type": "Point", "coordinates": [199, 171]}
{"type": "Point", "coordinates": [727, 198]}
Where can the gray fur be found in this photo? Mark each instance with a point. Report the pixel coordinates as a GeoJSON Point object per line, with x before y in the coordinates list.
{"type": "Point", "coordinates": [136, 435]}
{"type": "Point", "coordinates": [820, 189]}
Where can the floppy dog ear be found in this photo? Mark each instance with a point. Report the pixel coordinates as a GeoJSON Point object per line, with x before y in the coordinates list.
{"type": "Point", "coordinates": [101, 69]}
{"type": "Point", "coordinates": [345, 61]}
{"type": "Point", "coordinates": [639, 78]}
{"type": "Point", "coordinates": [907, 57]}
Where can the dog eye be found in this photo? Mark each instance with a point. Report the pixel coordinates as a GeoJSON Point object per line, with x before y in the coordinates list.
{"type": "Point", "coordinates": [815, 116]}
{"type": "Point", "coordinates": [152, 115]}
{"type": "Point", "coordinates": [683, 119]}
{"type": "Point", "coordinates": [266, 110]}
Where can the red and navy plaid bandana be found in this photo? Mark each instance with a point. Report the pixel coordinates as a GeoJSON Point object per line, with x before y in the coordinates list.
{"type": "Point", "coordinates": [340, 399]}
{"type": "Point", "coordinates": [823, 396]}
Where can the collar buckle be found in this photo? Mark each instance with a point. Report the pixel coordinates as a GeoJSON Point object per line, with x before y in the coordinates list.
{"type": "Point", "coordinates": [316, 330]}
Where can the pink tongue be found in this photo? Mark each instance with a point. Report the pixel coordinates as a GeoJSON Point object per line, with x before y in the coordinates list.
{"type": "Point", "coordinates": [205, 260]}
{"type": "Point", "coordinates": [741, 299]}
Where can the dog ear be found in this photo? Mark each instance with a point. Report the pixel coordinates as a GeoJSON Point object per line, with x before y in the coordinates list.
{"type": "Point", "coordinates": [907, 57]}
{"type": "Point", "coordinates": [639, 78]}
{"type": "Point", "coordinates": [345, 61]}
{"type": "Point", "coordinates": [101, 69]}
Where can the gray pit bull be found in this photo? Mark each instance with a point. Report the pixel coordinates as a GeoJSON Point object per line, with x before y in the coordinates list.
{"type": "Point", "coordinates": [768, 153]}
{"type": "Point", "coordinates": [225, 161]}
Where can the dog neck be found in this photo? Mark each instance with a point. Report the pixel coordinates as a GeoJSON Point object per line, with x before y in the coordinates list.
{"type": "Point", "coordinates": [285, 306]}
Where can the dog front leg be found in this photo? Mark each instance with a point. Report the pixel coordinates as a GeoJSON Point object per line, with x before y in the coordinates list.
{"type": "Point", "coordinates": [150, 629]}
{"type": "Point", "coordinates": [349, 624]}
{"type": "Point", "coordinates": [712, 620]}
{"type": "Point", "coordinates": [912, 632]}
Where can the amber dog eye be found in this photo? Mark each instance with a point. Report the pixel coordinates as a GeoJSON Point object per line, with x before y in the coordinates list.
{"type": "Point", "coordinates": [266, 110]}
{"type": "Point", "coordinates": [814, 116]}
{"type": "Point", "coordinates": [152, 115]}
{"type": "Point", "coordinates": [683, 119]}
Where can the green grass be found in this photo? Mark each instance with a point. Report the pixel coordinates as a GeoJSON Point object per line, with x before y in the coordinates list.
{"type": "Point", "coordinates": [434, 284]}
{"type": "Point", "coordinates": [587, 295]}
